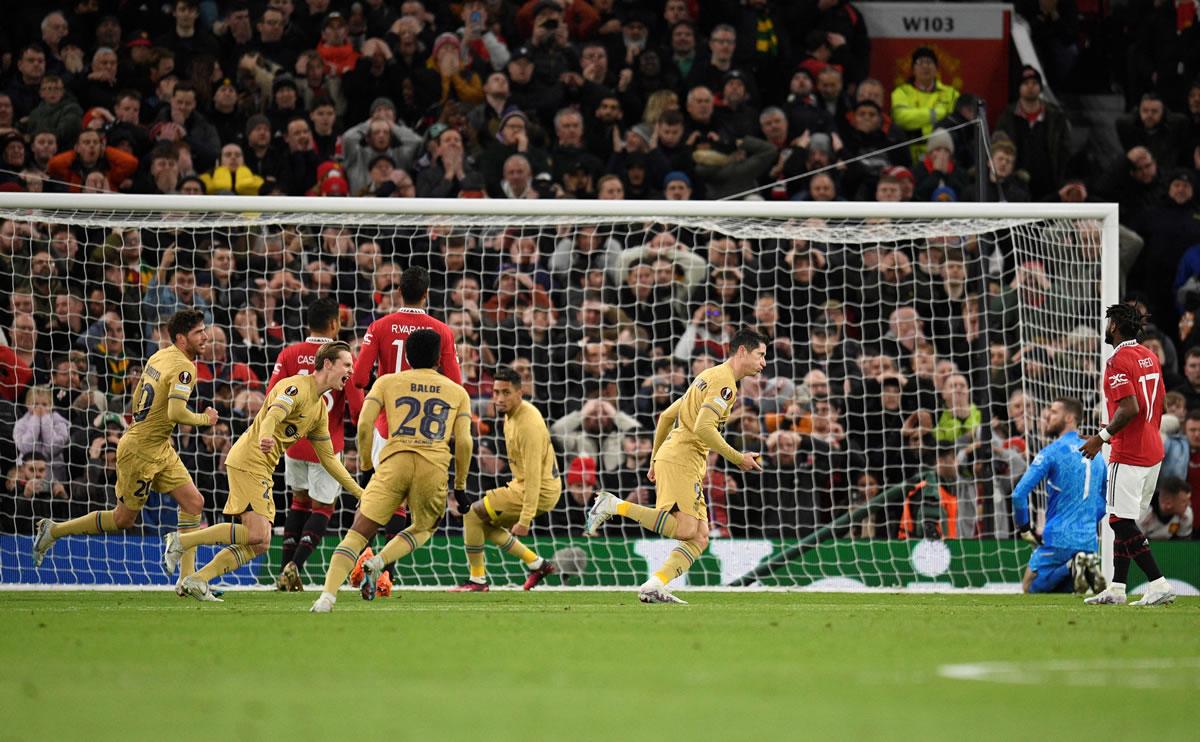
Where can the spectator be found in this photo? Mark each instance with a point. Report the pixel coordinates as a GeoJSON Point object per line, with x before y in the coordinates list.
{"type": "Point", "coordinates": [57, 112]}
{"type": "Point", "coordinates": [1134, 182]}
{"type": "Point", "coordinates": [1002, 183]}
{"type": "Point", "coordinates": [596, 430]}
{"type": "Point", "coordinates": [231, 175]}
{"type": "Point", "coordinates": [44, 432]}
{"type": "Point", "coordinates": [1170, 514]}
{"type": "Point", "coordinates": [938, 178]}
{"type": "Point", "coordinates": [335, 48]}
{"type": "Point", "coordinates": [920, 103]}
{"type": "Point", "coordinates": [443, 178]}
{"type": "Point", "coordinates": [1151, 126]}
{"type": "Point", "coordinates": [25, 86]}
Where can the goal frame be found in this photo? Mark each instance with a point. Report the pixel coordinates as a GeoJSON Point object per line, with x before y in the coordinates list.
{"type": "Point", "coordinates": [1105, 213]}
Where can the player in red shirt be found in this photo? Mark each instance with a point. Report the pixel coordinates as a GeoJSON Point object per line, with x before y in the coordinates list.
{"type": "Point", "coordinates": [382, 352]}
{"type": "Point", "coordinates": [1134, 393]}
{"type": "Point", "coordinates": [314, 490]}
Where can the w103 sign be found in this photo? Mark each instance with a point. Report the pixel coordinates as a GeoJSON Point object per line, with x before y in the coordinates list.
{"type": "Point", "coordinates": [971, 41]}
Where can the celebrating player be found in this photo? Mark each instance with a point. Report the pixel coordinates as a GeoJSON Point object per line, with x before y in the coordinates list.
{"type": "Point", "coordinates": [1067, 547]}
{"type": "Point", "coordinates": [414, 465]}
{"type": "Point", "coordinates": [314, 491]}
{"type": "Point", "coordinates": [1133, 391]}
{"type": "Point", "coordinates": [686, 431]}
{"type": "Point", "coordinates": [145, 459]}
{"type": "Point", "coordinates": [507, 512]}
{"type": "Point", "coordinates": [383, 351]}
{"type": "Point", "coordinates": [294, 409]}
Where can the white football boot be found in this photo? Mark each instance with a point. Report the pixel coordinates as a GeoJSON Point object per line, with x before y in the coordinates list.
{"type": "Point", "coordinates": [654, 591]}
{"type": "Point", "coordinates": [323, 604]}
{"type": "Point", "coordinates": [173, 552]}
{"type": "Point", "coordinates": [1108, 596]}
{"type": "Point", "coordinates": [199, 590]}
{"type": "Point", "coordinates": [42, 540]}
{"type": "Point", "coordinates": [1158, 592]}
{"type": "Point", "coordinates": [603, 508]}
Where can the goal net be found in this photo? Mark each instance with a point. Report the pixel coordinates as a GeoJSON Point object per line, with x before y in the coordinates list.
{"type": "Point", "coordinates": [912, 348]}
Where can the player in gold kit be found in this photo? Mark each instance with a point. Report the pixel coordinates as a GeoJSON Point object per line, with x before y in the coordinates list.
{"type": "Point", "coordinates": [686, 432]}
{"type": "Point", "coordinates": [423, 408]}
{"type": "Point", "coordinates": [507, 512]}
{"type": "Point", "coordinates": [294, 409]}
{"type": "Point", "coordinates": [145, 459]}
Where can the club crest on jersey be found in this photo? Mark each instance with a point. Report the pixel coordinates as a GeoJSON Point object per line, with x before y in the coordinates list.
{"type": "Point", "coordinates": [292, 391]}
{"type": "Point", "coordinates": [185, 377]}
{"type": "Point", "coordinates": [726, 393]}
{"type": "Point", "coordinates": [290, 431]}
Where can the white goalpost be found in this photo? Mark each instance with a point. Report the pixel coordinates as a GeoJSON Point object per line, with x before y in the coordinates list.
{"type": "Point", "coordinates": [912, 348]}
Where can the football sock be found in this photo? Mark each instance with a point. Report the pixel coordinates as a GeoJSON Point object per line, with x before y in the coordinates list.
{"type": "Point", "coordinates": [104, 521]}
{"type": "Point", "coordinates": [405, 543]}
{"type": "Point", "coordinates": [187, 524]}
{"type": "Point", "coordinates": [1146, 561]}
{"type": "Point", "coordinates": [679, 561]}
{"type": "Point", "coordinates": [1117, 587]}
{"type": "Point", "coordinates": [659, 521]}
{"type": "Point", "coordinates": [473, 542]}
{"type": "Point", "coordinates": [1051, 580]}
{"type": "Point", "coordinates": [397, 523]}
{"type": "Point", "coordinates": [224, 533]}
{"type": "Point", "coordinates": [509, 544]}
{"type": "Point", "coordinates": [226, 560]}
{"type": "Point", "coordinates": [293, 526]}
{"type": "Point", "coordinates": [343, 559]}
{"type": "Point", "coordinates": [314, 531]}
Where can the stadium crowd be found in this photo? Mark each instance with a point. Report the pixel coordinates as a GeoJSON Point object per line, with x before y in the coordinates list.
{"type": "Point", "coordinates": [890, 366]}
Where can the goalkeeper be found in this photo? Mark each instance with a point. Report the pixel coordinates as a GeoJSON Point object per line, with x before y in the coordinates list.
{"type": "Point", "coordinates": [1065, 555]}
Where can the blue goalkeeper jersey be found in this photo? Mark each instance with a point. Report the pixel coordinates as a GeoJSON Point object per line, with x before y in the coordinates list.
{"type": "Point", "coordinates": [1074, 489]}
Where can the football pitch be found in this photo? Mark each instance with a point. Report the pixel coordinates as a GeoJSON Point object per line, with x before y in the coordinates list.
{"type": "Point", "coordinates": [594, 666]}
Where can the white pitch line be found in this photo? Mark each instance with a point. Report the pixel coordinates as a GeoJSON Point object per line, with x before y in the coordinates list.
{"type": "Point", "coordinates": [1130, 673]}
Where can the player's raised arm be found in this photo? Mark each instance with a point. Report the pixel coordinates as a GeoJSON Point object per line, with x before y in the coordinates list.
{"type": "Point", "coordinates": [371, 408]}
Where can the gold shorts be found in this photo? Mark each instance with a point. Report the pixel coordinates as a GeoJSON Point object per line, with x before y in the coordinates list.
{"type": "Point", "coordinates": [504, 504]}
{"type": "Point", "coordinates": [406, 478]}
{"type": "Point", "coordinates": [249, 492]}
{"type": "Point", "coordinates": [680, 487]}
{"type": "Point", "coordinates": [137, 476]}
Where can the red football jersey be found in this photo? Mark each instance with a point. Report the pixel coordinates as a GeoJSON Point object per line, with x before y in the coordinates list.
{"type": "Point", "coordinates": [300, 358]}
{"type": "Point", "coordinates": [384, 343]}
{"type": "Point", "coordinates": [1133, 369]}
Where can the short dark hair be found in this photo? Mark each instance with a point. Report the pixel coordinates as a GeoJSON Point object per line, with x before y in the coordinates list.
{"type": "Point", "coordinates": [330, 352]}
{"type": "Point", "coordinates": [1193, 416]}
{"type": "Point", "coordinates": [746, 338]}
{"type": "Point", "coordinates": [323, 313]}
{"type": "Point", "coordinates": [423, 349]}
{"type": "Point", "coordinates": [184, 321]}
{"type": "Point", "coordinates": [414, 284]}
{"type": "Point", "coordinates": [183, 86]}
{"type": "Point", "coordinates": [1127, 319]}
{"type": "Point", "coordinates": [1173, 486]}
{"type": "Point", "coordinates": [1073, 407]}
{"type": "Point", "coordinates": [506, 373]}
{"type": "Point", "coordinates": [671, 117]}
{"type": "Point", "coordinates": [1192, 352]}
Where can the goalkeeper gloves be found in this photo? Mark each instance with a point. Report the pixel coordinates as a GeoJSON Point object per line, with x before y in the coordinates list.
{"type": "Point", "coordinates": [464, 502]}
{"type": "Point", "coordinates": [1027, 533]}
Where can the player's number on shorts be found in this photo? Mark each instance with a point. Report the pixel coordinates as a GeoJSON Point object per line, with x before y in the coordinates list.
{"type": "Point", "coordinates": [433, 421]}
{"type": "Point", "coordinates": [145, 401]}
{"type": "Point", "coordinates": [1148, 395]}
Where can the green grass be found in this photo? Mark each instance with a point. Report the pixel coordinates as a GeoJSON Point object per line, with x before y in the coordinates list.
{"type": "Point", "coordinates": [586, 666]}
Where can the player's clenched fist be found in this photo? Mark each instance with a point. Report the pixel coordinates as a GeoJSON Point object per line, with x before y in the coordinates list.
{"type": "Point", "coordinates": [212, 415]}
{"type": "Point", "coordinates": [266, 443]}
{"type": "Point", "coordinates": [750, 462]}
